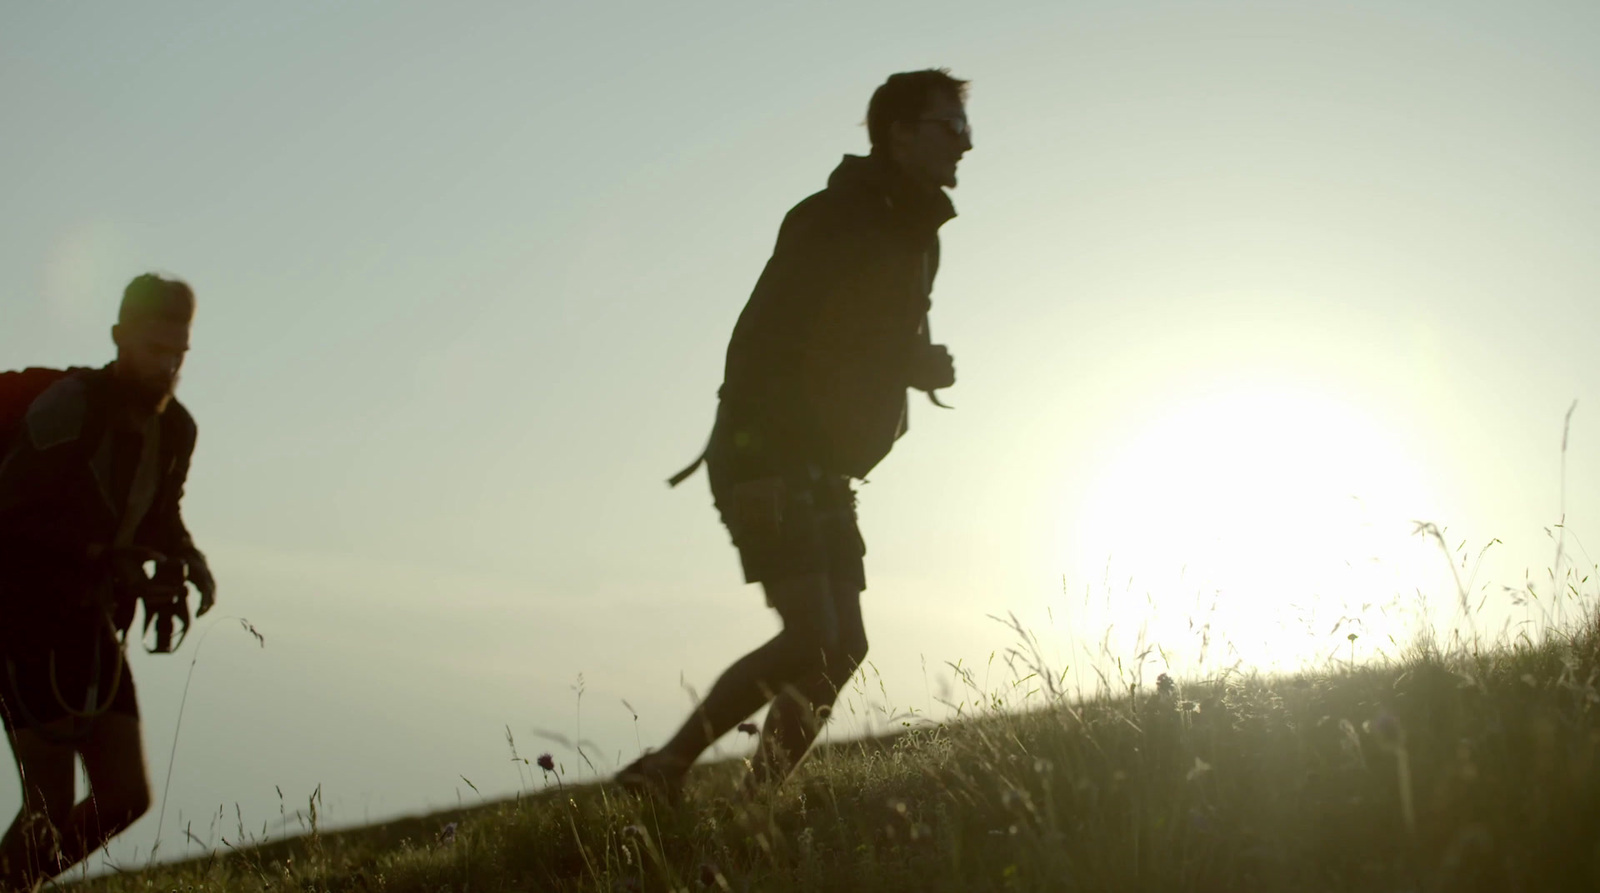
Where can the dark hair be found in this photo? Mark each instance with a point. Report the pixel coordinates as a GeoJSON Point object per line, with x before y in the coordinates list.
{"type": "Point", "coordinates": [904, 97]}
{"type": "Point", "coordinates": [150, 297]}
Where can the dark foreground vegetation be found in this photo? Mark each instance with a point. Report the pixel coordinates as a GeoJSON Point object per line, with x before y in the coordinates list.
{"type": "Point", "coordinates": [1463, 772]}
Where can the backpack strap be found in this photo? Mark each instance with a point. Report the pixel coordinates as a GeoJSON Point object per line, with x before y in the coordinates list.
{"type": "Point", "coordinates": [699, 460]}
{"type": "Point", "coordinates": [693, 467]}
{"type": "Point", "coordinates": [146, 480]}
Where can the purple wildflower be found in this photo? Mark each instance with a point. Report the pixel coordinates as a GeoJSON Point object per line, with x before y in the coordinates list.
{"type": "Point", "coordinates": [546, 762]}
{"type": "Point", "coordinates": [749, 728]}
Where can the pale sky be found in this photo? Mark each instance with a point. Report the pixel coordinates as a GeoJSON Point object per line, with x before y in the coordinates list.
{"type": "Point", "coordinates": [1237, 291]}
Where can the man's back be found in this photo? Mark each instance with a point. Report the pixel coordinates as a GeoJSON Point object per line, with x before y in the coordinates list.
{"type": "Point", "coordinates": [823, 353]}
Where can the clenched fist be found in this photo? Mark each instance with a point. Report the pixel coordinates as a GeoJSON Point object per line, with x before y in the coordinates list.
{"type": "Point", "coordinates": [934, 369]}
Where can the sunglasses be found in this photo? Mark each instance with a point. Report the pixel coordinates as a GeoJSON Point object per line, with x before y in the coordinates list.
{"type": "Point", "coordinates": [956, 126]}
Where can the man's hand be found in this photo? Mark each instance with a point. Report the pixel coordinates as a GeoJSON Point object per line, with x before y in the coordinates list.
{"type": "Point", "coordinates": [934, 369]}
{"type": "Point", "coordinates": [127, 562]}
{"type": "Point", "coordinates": [756, 509]}
{"type": "Point", "coordinates": [198, 573]}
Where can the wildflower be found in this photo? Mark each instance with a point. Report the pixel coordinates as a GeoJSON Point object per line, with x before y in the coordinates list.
{"type": "Point", "coordinates": [546, 762]}
{"type": "Point", "coordinates": [447, 834]}
{"type": "Point", "coordinates": [749, 728]}
{"type": "Point", "coordinates": [1165, 685]}
{"type": "Point", "coordinates": [708, 874]}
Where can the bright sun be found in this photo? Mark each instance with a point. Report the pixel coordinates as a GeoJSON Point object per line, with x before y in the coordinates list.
{"type": "Point", "coordinates": [1280, 517]}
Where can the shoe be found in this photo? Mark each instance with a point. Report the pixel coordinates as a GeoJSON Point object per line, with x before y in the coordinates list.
{"type": "Point", "coordinates": [655, 775]}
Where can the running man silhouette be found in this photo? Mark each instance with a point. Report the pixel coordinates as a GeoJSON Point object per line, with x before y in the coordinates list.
{"type": "Point", "coordinates": [813, 396]}
{"type": "Point", "coordinates": [92, 474]}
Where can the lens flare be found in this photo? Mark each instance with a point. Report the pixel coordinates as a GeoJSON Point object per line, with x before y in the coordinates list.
{"type": "Point", "coordinates": [1262, 526]}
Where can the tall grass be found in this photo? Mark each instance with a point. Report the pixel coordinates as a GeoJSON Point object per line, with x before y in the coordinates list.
{"type": "Point", "coordinates": [1468, 766]}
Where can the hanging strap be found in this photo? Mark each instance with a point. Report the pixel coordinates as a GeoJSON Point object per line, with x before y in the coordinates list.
{"type": "Point", "coordinates": [927, 339]}
{"type": "Point", "coordinates": [693, 467]}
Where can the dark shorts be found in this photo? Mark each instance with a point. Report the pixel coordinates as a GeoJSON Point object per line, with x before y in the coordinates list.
{"type": "Point", "coordinates": [817, 534]}
{"type": "Point", "coordinates": [89, 677]}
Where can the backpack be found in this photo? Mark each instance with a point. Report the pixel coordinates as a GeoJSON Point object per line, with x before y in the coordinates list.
{"type": "Point", "coordinates": [18, 390]}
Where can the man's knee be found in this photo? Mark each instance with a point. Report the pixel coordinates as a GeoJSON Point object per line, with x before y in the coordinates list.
{"type": "Point", "coordinates": [123, 801]}
{"type": "Point", "coordinates": [855, 648]}
{"type": "Point", "coordinates": [47, 777]}
{"type": "Point", "coordinates": [43, 821]}
{"type": "Point", "coordinates": [806, 605]}
{"type": "Point", "coordinates": [115, 811]}
{"type": "Point", "coordinates": [804, 656]}
{"type": "Point", "coordinates": [118, 781]}
{"type": "Point", "coordinates": [848, 651]}
{"type": "Point", "coordinates": [53, 805]}
{"type": "Point", "coordinates": [133, 803]}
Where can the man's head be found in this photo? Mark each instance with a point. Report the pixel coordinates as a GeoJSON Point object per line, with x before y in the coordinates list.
{"type": "Point", "coordinates": [152, 336]}
{"type": "Point", "coordinates": [918, 120]}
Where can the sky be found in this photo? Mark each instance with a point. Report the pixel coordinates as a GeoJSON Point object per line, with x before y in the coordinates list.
{"type": "Point", "coordinates": [1238, 292]}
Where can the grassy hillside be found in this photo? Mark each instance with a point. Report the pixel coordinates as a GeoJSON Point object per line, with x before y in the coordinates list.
{"type": "Point", "coordinates": [1470, 772]}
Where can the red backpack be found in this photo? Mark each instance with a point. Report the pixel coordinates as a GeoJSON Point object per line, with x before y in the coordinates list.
{"type": "Point", "coordinates": [18, 390]}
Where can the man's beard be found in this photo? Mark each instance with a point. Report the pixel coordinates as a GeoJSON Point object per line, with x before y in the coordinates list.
{"type": "Point", "coordinates": [146, 397]}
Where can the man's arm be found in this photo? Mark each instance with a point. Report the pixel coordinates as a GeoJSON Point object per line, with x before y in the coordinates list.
{"type": "Point", "coordinates": [167, 532]}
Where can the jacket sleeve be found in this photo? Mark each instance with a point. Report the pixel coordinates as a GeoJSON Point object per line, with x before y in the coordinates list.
{"type": "Point", "coordinates": [164, 530]}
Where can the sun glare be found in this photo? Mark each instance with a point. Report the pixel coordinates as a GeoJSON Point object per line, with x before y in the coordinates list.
{"type": "Point", "coordinates": [1261, 526]}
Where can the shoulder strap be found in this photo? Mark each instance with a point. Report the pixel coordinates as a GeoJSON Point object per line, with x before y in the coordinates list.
{"type": "Point", "coordinates": [146, 480]}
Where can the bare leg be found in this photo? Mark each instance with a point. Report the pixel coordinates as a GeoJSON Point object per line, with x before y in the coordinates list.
{"type": "Point", "coordinates": [119, 793]}
{"type": "Point", "coordinates": [797, 715]}
{"type": "Point", "coordinates": [792, 656]}
{"type": "Point", "coordinates": [119, 787]}
{"type": "Point", "coordinates": [29, 846]}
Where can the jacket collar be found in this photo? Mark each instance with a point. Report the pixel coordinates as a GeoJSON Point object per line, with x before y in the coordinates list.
{"type": "Point", "coordinates": [928, 207]}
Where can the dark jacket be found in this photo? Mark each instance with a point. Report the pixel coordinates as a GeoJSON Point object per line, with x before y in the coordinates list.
{"type": "Point", "coordinates": [63, 486]}
{"type": "Point", "coordinates": [820, 360]}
